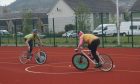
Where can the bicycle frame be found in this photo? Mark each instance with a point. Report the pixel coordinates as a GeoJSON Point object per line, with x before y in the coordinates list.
{"type": "Point", "coordinates": [103, 58]}
{"type": "Point", "coordinates": [89, 51]}
{"type": "Point", "coordinates": [36, 53]}
{"type": "Point", "coordinates": [40, 48]}
{"type": "Point", "coordinates": [84, 53]}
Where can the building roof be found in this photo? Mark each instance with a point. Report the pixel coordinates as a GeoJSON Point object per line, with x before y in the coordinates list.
{"type": "Point", "coordinates": [100, 6]}
{"type": "Point", "coordinates": [20, 15]}
{"type": "Point", "coordinates": [136, 6]}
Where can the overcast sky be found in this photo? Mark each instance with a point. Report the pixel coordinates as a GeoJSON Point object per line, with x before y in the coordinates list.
{"type": "Point", "coordinates": [6, 2]}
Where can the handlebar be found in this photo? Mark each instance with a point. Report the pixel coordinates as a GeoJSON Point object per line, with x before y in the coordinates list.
{"type": "Point", "coordinates": [82, 50]}
{"type": "Point", "coordinates": [40, 45]}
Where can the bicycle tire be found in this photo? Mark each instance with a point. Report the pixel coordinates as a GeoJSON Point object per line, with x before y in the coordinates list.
{"type": "Point", "coordinates": [80, 61]}
{"type": "Point", "coordinates": [23, 57]}
{"type": "Point", "coordinates": [40, 57]}
{"type": "Point", "coordinates": [106, 61]}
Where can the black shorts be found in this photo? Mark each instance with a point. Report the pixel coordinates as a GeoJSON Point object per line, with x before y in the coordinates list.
{"type": "Point", "coordinates": [94, 44]}
{"type": "Point", "coordinates": [30, 44]}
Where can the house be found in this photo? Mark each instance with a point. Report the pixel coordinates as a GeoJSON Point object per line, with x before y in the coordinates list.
{"type": "Point", "coordinates": [136, 11]}
{"type": "Point", "coordinates": [1, 10]}
{"type": "Point", "coordinates": [9, 21]}
{"type": "Point", "coordinates": [136, 6]}
{"type": "Point", "coordinates": [64, 12]}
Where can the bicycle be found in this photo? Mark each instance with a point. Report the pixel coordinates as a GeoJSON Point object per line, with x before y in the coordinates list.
{"type": "Point", "coordinates": [82, 57]}
{"type": "Point", "coordinates": [39, 55]}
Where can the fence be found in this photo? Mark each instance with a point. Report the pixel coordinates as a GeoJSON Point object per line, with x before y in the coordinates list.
{"type": "Point", "coordinates": [56, 28]}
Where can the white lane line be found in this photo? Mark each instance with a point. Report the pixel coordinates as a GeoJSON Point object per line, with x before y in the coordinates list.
{"type": "Point", "coordinates": [54, 73]}
{"type": "Point", "coordinates": [29, 69]}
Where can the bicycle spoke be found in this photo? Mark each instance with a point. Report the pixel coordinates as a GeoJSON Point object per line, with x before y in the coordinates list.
{"type": "Point", "coordinates": [40, 57]}
{"type": "Point", "coordinates": [107, 63]}
{"type": "Point", "coordinates": [80, 61]}
{"type": "Point", "coordinates": [23, 58]}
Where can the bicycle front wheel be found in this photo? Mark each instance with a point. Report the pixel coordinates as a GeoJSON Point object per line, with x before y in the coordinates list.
{"type": "Point", "coordinates": [106, 61]}
{"type": "Point", "coordinates": [80, 61]}
{"type": "Point", "coordinates": [40, 57]}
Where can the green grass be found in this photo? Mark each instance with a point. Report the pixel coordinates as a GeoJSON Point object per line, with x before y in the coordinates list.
{"type": "Point", "coordinates": [59, 41]}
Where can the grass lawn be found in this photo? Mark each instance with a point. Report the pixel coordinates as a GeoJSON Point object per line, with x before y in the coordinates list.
{"type": "Point", "coordinates": [59, 41]}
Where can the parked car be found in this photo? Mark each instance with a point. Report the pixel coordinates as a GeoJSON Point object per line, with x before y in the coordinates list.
{"type": "Point", "coordinates": [108, 29]}
{"type": "Point", "coordinates": [42, 35]}
{"type": "Point", "coordinates": [19, 34]}
{"type": "Point", "coordinates": [126, 28]}
{"type": "Point", "coordinates": [71, 33]}
{"type": "Point", "coordinates": [4, 32]}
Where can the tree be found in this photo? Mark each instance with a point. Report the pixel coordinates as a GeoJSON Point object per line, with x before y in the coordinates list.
{"type": "Point", "coordinates": [40, 25]}
{"type": "Point", "coordinates": [112, 19]}
{"type": "Point", "coordinates": [69, 27]}
{"type": "Point", "coordinates": [27, 21]}
{"type": "Point", "coordinates": [83, 17]}
{"type": "Point", "coordinates": [7, 11]}
{"type": "Point", "coordinates": [127, 16]}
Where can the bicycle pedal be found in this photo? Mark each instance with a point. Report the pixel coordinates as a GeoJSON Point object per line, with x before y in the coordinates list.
{"type": "Point", "coordinates": [25, 57]}
{"type": "Point", "coordinates": [98, 65]}
{"type": "Point", "coordinates": [29, 57]}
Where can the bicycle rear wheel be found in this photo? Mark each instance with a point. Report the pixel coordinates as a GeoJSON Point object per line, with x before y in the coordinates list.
{"type": "Point", "coordinates": [23, 58]}
{"type": "Point", "coordinates": [80, 61]}
{"type": "Point", "coordinates": [106, 61]}
{"type": "Point", "coordinates": [40, 57]}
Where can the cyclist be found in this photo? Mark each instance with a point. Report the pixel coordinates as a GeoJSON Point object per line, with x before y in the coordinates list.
{"type": "Point", "coordinates": [29, 41]}
{"type": "Point", "coordinates": [93, 43]}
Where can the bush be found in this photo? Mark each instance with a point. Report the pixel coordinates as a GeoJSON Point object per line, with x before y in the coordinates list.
{"type": "Point", "coordinates": [59, 34]}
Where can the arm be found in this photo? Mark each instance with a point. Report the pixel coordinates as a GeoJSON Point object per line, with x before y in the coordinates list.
{"type": "Point", "coordinates": [38, 38]}
{"type": "Point", "coordinates": [27, 44]}
{"type": "Point", "coordinates": [40, 41]}
{"type": "Point", "coordinates": [80, 43]}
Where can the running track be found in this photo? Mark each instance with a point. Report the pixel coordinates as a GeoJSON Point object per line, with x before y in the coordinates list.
{"type": "Point", "coordinates": [57, 71]}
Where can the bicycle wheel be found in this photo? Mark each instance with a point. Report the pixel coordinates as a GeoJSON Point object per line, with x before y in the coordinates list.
{"type": "Point", "coordinates": [106, 61]}
{"type": "Point", "coordinates": [40, 57]}
{"type": "Point", "coordinates": [23, 57]}
{"type": "Point", "coordinates": [80, 61]}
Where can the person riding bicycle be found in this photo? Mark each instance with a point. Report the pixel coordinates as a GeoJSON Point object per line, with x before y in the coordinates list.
{"type": "Point", "coordinates": [29, 41]}
{"type": "Point", "coordinates": [93, 43]}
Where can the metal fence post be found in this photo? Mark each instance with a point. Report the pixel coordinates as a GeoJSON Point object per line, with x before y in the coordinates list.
{"type": "Point", "coordinates": [128, 37]}
{"type": "Point", "coordinates": [33, 22]}
{"type": "Point", "coordinates": [132, 29]}
{"type": "Point", "coordinates": [0, 40]}
{"type": "Point", "coordinates": [33, 28]}
{"type": "Point", "coordinates": [101, 15]}
{"type": "Point", "coordinates": [15, 31]}
{"type": "Point", "coordinates": [54, 32]}
{"type": "Point", "coordinates": [76, 30]}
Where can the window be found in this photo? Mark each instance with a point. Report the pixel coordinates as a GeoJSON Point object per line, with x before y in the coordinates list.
{"type": "Point", "coordinates": [58, 10]}
{"type": "Point", "coordinates": [96, 15]}
{"type": "Point", "coordinates": [134, 27]}
{"type": "Point", "coordinates": [105, 15]}
{"type": "Point", "coordinates": [105, 28]}
{"type": "Point", "coordinates": [139, 27]}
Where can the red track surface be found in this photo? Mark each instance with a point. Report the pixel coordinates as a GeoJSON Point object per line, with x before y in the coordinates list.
{"type": "Point", "coordinates": [57, 70]}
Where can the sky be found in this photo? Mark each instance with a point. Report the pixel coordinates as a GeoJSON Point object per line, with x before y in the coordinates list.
{"type": "Point", "coordinates": [6, 2]}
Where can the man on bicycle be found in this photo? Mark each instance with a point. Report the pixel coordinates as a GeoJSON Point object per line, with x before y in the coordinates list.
{"type": "Point", "coordinates": [93, 42]}
{"type": "Point", "coordinates": [29, 41]}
